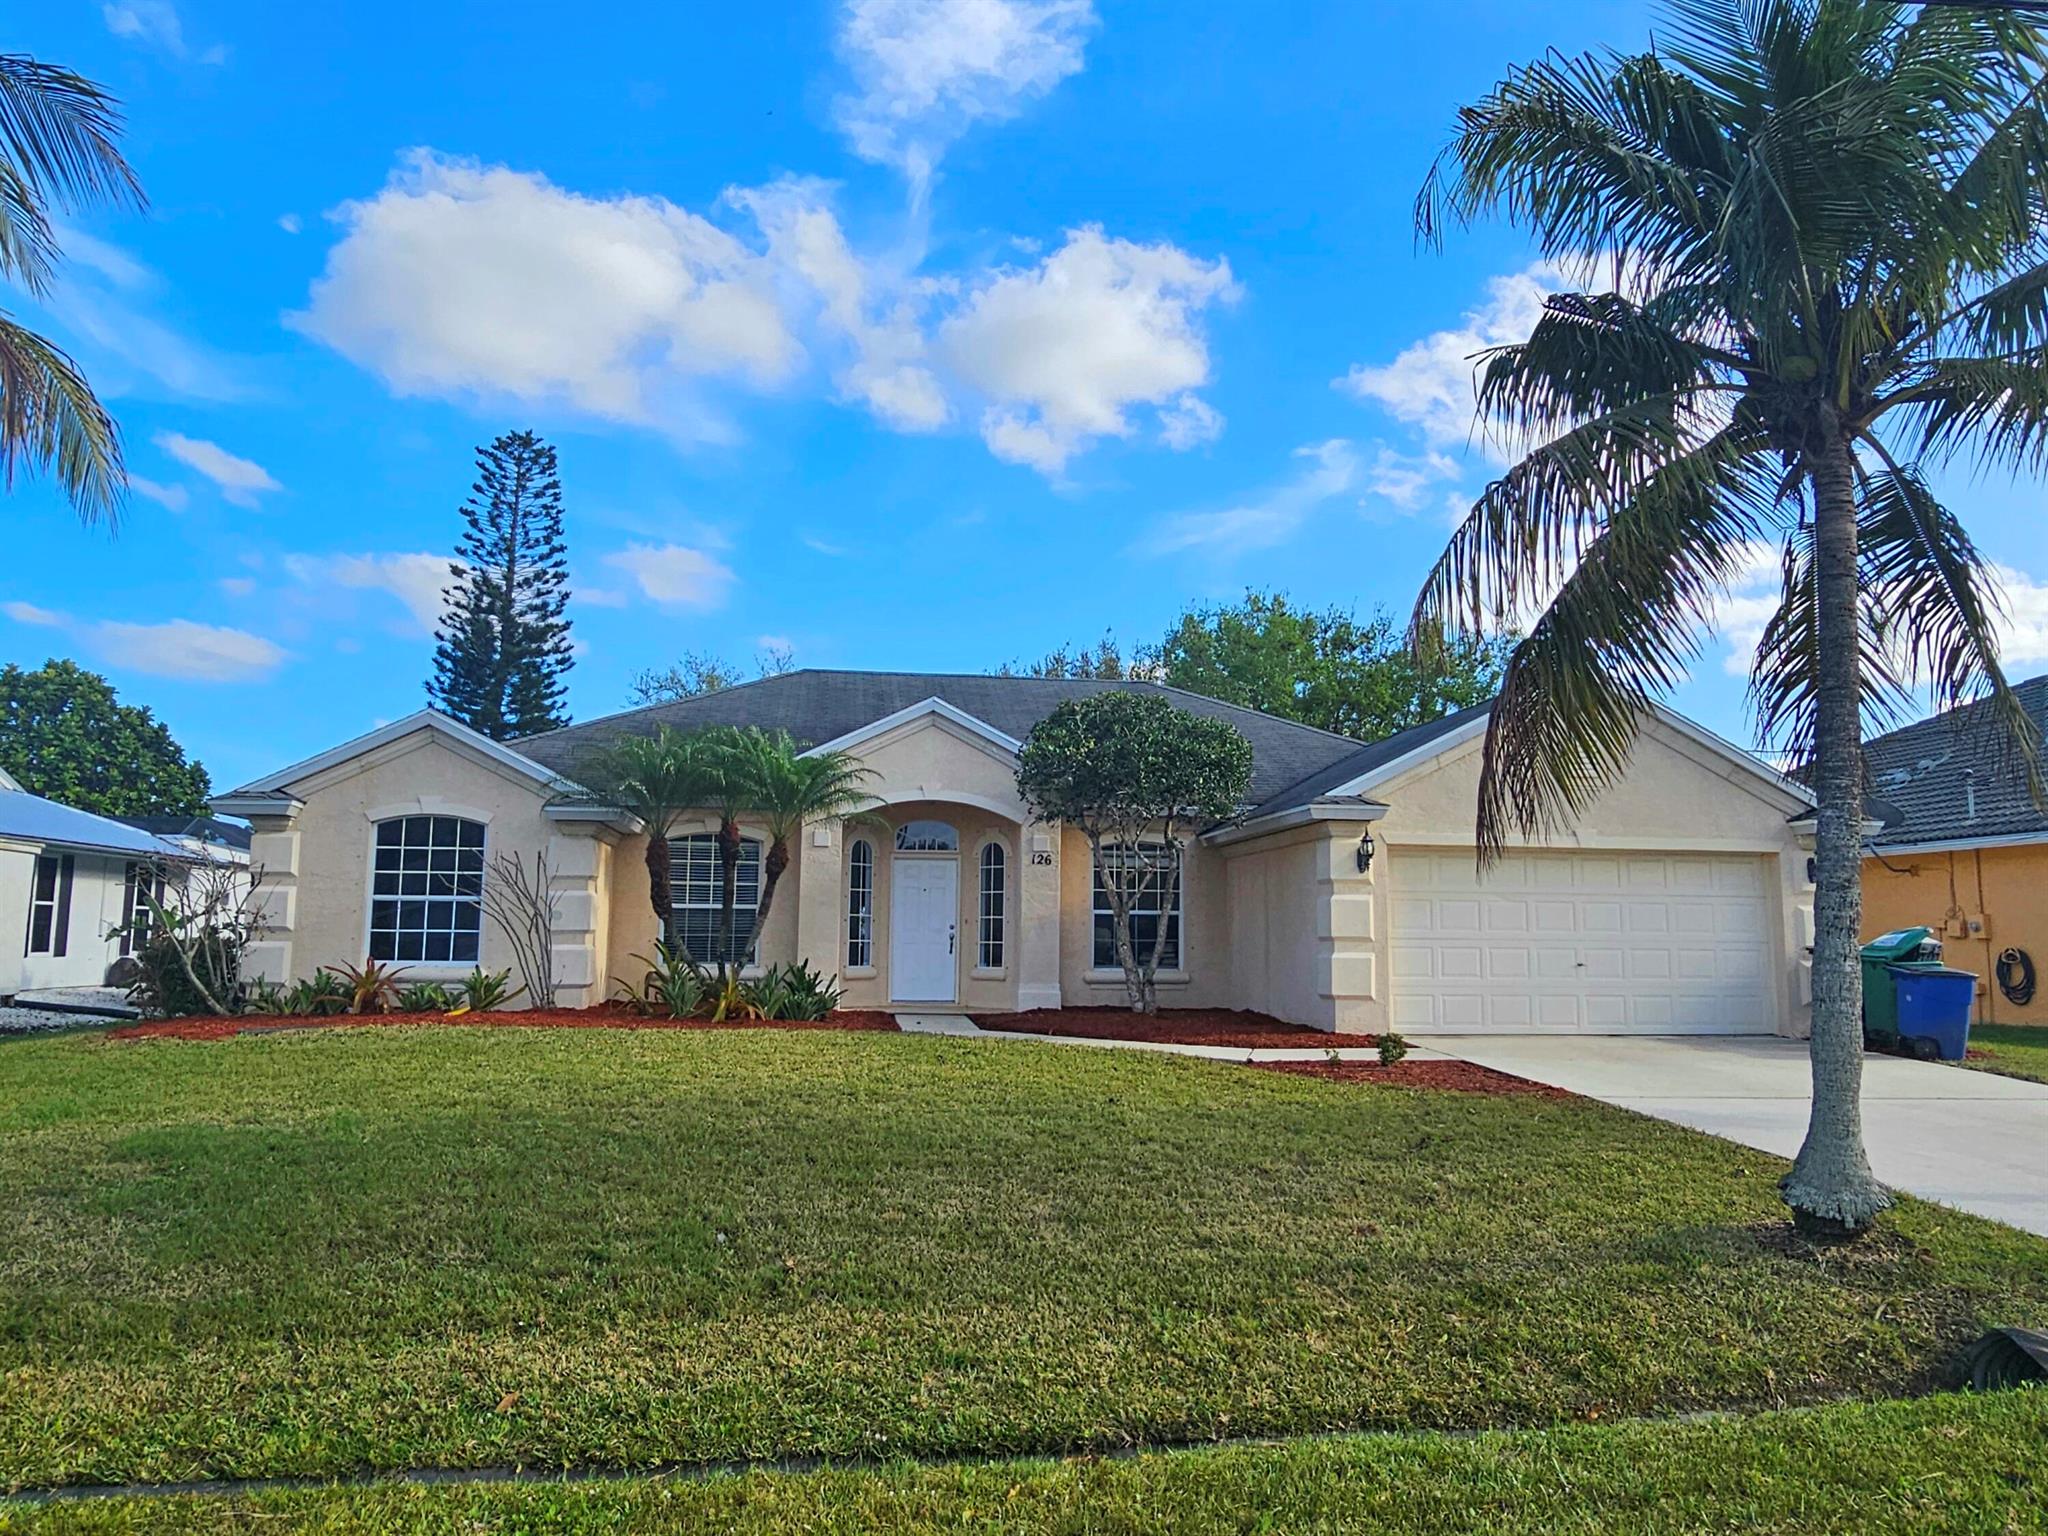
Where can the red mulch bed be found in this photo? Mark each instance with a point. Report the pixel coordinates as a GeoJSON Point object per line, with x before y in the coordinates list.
{"type": "Point", "coordinates": [1236, 1027]}
{"type": "Point", "coordinates": [604, 1016]}
{"type": "Point", "coordinates": [1449, 1076]}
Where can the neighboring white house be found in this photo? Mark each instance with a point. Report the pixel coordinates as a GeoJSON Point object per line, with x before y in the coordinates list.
{"type": "Point", "coordinates": [1344, 895]}
{"type": "Point", "coordinates": [70, 883]}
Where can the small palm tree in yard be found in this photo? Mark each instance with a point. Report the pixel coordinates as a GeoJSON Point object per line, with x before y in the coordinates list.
{"type": "Point", "coordinates": [1814, 242]}
{"type": "Point", "coordinates": [658, 779]}
{"type": "Point", "coordinates": [57, 154]}
{"type": "Point", "coordinates": [786, 789]}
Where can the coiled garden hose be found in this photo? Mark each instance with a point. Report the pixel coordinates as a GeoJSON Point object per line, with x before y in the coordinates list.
{"type": "Point", "coordinates": [2016, 976]}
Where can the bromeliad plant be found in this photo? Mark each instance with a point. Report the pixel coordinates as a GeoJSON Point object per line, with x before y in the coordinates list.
{"type": "Point", "coordinates": [1812, 246]}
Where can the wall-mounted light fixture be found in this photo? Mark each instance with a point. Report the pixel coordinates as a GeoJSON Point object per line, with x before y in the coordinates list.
{"type": "Point", "coordinates": [1365, 852]}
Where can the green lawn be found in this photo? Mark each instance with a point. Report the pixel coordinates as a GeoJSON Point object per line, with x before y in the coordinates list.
{"type": "Point", "coordinates": [318, 1252]}
{"type": "Point", "coordinates": [2013, 1050]}
{"type": "Point", "coordinates": [1939, 1465]}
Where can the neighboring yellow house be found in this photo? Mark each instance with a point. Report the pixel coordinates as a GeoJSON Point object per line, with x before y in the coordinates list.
{"type": "Point", "coordinates": [1963, 850]}
{"type": "Point", "coordinates": [1344, 896]}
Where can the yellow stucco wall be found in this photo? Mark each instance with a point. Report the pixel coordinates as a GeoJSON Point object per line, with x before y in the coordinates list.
{"type": "Point", "coordinates": [1980, 901]}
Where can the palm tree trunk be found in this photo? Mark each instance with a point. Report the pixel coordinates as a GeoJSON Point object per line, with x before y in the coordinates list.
{"type": "Point", "coordinates": [1831, 1189]}
{"type": "Point", "coordinates": [728, 890]}
{"type": "Point", "coordinates": [658, 884]}
{"type": "Point", "coordinates": [772, 868]}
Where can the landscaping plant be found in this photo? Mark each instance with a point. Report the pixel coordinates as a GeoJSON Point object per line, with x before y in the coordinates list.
{"type": "Point", "coordinates": [483, 990]}
{"type": "Point", "coordinates": [191, 940]}
{"type": "Point", "coordinates": [1133, 772]}
{"type": "Point", "coordinates": [424, 997]}
{"type": "Point", "coordinates": [657, 779]}
{"type": "Point", "coordinates": [1392, 1048]}
{"type": "Point", "coordinates": [786, 789]}
{"type": "Point", "coordinates": [673, 985]}
{"type": "Point", "coordinates": [1811, 253]}
{"type": "Point", "coordinates": [371, 987]}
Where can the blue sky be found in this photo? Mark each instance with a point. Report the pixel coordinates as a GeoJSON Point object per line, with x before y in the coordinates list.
{"type": "Point", "coordinates": [904, 333]}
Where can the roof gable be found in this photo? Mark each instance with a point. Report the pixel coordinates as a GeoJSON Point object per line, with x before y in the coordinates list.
{"type": "Point", "coordinates": [276, 786]}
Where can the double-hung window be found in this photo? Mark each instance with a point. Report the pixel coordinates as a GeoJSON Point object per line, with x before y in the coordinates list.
{"type": "Point", "coordinates": [142, 893]}
{"type": "Point", "coordinates": [1147, 912]}
{"type": "Point", "coordinates": [49, 905]}
{"type": "Point", "coordinates": [427, 890]}
{"type": "Point", "coordinates": [693, 898]}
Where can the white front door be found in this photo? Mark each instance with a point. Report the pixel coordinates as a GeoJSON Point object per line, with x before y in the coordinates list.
{"type": "Point", "coordinates": [924, 906]}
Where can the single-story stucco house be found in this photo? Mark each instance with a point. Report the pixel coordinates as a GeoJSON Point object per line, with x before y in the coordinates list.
{"type": "Point", "coordinates": [1960, 847]}
{"type": "Point", "coordinates": [71, 887]}
{"type": "Point", "coordinates": [1344, 896]}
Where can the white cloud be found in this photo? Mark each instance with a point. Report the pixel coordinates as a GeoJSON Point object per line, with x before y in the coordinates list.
{"type": "Point", "coordinates": [459, 279]}
{"type": "Point", "coordinates": [175, 497]}
{"type": "Point", "coordinates": [416, 580]}
{"type": "Point", "coordinates": [1429, 385]}
{"type": "Point", "coordinates": [777, 644]}
{"type": "Point", "coordinates": [1063, 350]}
{"type": "Point", "coordinates": [237, 586]}
{"type": "Point", "coordinates": [156, 24]}
{"type": "Point", "coordinates": [1330, 469]}
{"type": "Point", "coordinates": [290, 223]}
{"type": "Point", "coordinates": [1189, 422]}
{"type": "Point", "coordinates": [102, 296]}
{"type": "Point", "coordinates": [674, 575]}
{"type": "Point", "coordinates": [888, 371]}
{"type": "Point", "coordinates": [2023, 627]}
{"type": "Point", "coordinates": [928, 70]}
{"type": "Point", "coordinates": [817, 545]}
{"type": "Point", "coordinates": [1406, 480]}
{"type": "Point", "coordinates": [29, 613]}
{"type": "Point", "coordinates": [598, 597]}
{"type": "Point", "coordinates": [241, 481]}
{"type": "Point", "coordinates": [205, 653]}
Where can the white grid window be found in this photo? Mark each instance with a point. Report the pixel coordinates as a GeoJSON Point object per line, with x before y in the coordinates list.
{"type": "Point", "coordinates": [1145, 913]}
{"type": "Point", "coordinates": [693, 898]}
{"type": "Point", "coordinates": [994, 868]}
{"type": "Point", "coordinates": [860, 904]}
{"type": "Point", "coordinates": [427, 890]}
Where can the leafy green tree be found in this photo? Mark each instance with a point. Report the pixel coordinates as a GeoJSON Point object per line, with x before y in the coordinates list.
{"type": "Point", "coordinates": [659, 779]}
{"type": "Point", "coordinates": [1814, 250]}
{"type": "Point", "coordinates": [786, 789]}
{"type": "Point", "coordinates": [57, 155]}
{"type": "Point", "coordinates": [64, 736]}
{"type": "Point", "coordinates": [1105, 661]}
{"type": "Point", "coordinates": [696, 672]}
{"type": "Point", "coordinates": [1363, 680]}
{"type": "Point", "coordinates": [1132, 772]}
{"type": "Point", "coordinates": [502, 647]}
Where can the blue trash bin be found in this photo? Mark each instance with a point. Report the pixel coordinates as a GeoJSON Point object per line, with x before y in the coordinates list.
{"type": "Point", "coordinates": [1934, 1005]}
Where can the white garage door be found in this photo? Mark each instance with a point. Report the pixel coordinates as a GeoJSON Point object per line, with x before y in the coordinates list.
{"type": "Point", "coordinates": [1597, 943]}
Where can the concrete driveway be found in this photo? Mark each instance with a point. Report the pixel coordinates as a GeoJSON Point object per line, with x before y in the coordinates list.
{"type": "Point", "coordinates": [1967, 1139]}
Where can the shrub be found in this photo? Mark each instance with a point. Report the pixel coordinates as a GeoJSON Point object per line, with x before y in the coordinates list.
{"type": "Point", "coordinates": [484, 990]}
{"type": "Point", "coordinates": [425, 997]}
{"type": "Point", "coordinates": [371, 987]}
{"type": "Point", "coordinates": [1392, 1048]}
{"type": "Point", "coordinates": [164, 989]}
{"type": "Point", "coordinates": [674, 986]}
{"type": "Point", "coordinates": [793, 991]}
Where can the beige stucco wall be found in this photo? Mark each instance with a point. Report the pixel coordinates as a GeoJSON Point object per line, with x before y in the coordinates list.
{"type": "Point", "coordinates": [1204, 979]}
{"type": "Point", "coordinates": [1676, 795]}
{"type": "Point", "coordinates": [421, 774]}
{"type": "Point", "coordinates": [1275, 918]}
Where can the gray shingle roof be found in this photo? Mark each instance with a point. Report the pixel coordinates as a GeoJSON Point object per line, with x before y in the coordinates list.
{"type": "Point", "coordinates": [816, 706]}
{"type": "Point", "coordinates": [1362, 760]}
{"type": "Point", "coordinates": [1920, 773]}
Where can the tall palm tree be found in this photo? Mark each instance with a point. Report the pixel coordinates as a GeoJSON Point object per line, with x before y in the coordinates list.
{"type": "Point", "coordinates": [659, 779]}
{"type": "Point", "coordinates": [1813, 245]}
{"type": "Point", "coordinates": [57, 154]}
{"type": "Point", "coordinates": [787, 789]}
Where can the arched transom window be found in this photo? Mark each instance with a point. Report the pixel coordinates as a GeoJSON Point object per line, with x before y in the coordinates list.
{"type": "Point", "coordinates": [927, 837]}
{"type": "Point", "coordinates": [427, 890]}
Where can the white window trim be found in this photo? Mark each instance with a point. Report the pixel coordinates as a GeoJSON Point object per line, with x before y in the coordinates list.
{"type": "Point", "coordinates": [751, 966]}
{"type": "Point", "coordinates": [1166, 974]}
{"type": "Point", "coordinates": [422, 970]}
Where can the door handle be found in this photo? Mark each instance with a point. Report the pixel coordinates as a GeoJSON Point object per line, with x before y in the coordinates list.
{"type": "Point", "coordinates": [951, 930]}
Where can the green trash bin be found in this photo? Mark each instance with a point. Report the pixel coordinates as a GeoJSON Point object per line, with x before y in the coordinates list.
{"type": "Point", "coordinates": [1910, 949]}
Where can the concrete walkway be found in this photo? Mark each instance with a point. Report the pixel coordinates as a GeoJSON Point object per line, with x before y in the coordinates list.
{"type": "Point", "coordinates": [966, 1028]}
{"type": "Point", "coordinates": [1971, 1140]}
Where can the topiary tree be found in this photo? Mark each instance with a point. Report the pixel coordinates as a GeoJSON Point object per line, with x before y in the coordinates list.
{"type": "Point", "coordinates": [1133, 772]}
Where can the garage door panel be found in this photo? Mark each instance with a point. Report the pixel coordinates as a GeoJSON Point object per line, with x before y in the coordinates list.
{"type": "Point", "coordinates": [1569, 942]}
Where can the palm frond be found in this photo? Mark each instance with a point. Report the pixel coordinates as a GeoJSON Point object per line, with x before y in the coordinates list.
{"type": "Point", "coordinates": [51, 421]}
{"type": "Point", "coordinates": [1994, 408]}
{"type": "Point", "coordinates": [60, 131]}
{"type": "Point", "coordinates": [1620, 632]}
